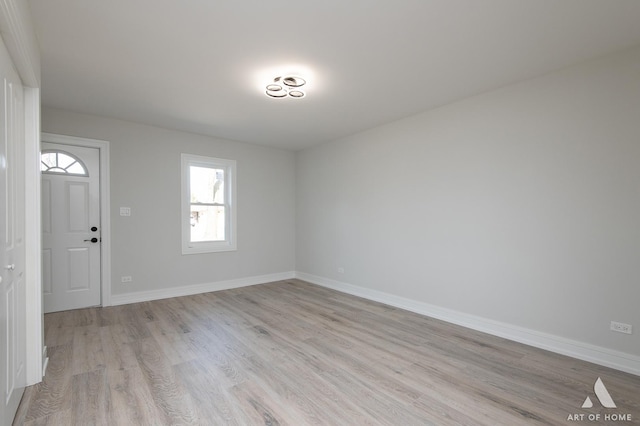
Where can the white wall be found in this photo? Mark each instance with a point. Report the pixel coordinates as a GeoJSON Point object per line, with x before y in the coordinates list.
{"type": "Point", "coordinates": [520, 205]}
{"type": "Point", "coordinates": [145, 175]}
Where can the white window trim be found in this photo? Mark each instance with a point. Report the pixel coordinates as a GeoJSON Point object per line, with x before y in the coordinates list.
{"type": "Point", "coordinates": [230, 244]}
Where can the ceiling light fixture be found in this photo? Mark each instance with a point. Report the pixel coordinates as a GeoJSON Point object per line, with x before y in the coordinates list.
{"type": "Point", "coordinates": [288, 86]}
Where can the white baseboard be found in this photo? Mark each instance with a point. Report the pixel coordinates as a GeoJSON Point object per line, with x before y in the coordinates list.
{"type": "Point", "coordinates": [165, 293]}
{"type": "Point", "coordinates": [587, 352]}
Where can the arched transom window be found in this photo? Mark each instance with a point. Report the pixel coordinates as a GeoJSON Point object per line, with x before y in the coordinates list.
{"type": "Point", "coordinates": [61, 162]}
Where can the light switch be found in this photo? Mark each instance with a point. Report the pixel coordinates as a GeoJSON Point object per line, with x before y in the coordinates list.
{"type": "Point", "coordinates": [125, 211]}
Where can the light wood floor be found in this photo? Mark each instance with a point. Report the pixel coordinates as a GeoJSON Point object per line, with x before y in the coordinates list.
{"type": "Point", "coordinates": [298, 354]}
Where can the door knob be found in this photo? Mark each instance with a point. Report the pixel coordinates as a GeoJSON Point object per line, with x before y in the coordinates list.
{"type": "Point", "coordinates": [93, 240]}
{"type": "Point", "coordinates": [10, 267]}
{"type": "Point", "coordinates": [94, 228]}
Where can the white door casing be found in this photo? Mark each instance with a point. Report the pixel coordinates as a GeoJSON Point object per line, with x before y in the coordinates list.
{"type": "Point", "coordinates": [12, 240]}
{"type": "Point", "coordinates": [71, 230]}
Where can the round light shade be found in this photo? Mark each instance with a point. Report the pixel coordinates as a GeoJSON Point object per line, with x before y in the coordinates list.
{"type": "Point", "coordinates": [293, 81]}
{"type": "Point", "coordinates": [276, 92]}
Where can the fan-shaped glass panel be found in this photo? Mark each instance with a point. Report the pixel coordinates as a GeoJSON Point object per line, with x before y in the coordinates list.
{"type": "Point", "coordinates": [61, 162]}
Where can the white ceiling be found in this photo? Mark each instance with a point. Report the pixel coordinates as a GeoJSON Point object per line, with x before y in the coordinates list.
{"type": "Point", "coordinates": [201, 65]}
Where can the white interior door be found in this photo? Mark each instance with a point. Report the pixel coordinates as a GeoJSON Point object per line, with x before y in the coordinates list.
{"type": "Point", "coordinates": [70, 226]}
{"type": "Point", "coordinates": [12, 251]}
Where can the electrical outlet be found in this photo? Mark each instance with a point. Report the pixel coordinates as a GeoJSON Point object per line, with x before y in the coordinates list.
{"type": "Point", "coordinates": [125, 211]}
{"type": "Point", "coordinates": [126, 279]}
{"type": "Point", "coordinates": [621, 327]}
{"type": "Point", "coordinates": [341, 270]}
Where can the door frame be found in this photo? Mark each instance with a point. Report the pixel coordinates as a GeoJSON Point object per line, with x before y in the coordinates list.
{"type": "Point", "coordinates": [20, 39]}
{"type": "Point", "coordinates": [105, 209]}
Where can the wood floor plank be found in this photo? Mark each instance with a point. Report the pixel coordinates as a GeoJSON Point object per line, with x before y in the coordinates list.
{"type": "Point", "coordinates": [210, 392]}
{"type": "Point", "coordinates": [90, 398]}
{"type": "Point", "coordinates": [167, 392]}
{"type": "Point", "coordinates": [88, 354]}
{"type": "Point", "coordinates": [131, 399]}
{"type": "Point", "coordinates": [258, 406]}
{"type": "Point", "coordinates": [53, 394]}
{"type": "Point", "coordinates": [292, 353]}
{"type": "Point", "coordinates": [298, 386]}
{"type": "Point", "coordinates": [62, 417]}
{"type": "Point", "coordinates": [84, 317]}
{"type": "Point", "coordinates": [108, 316]}
{"type": "Point", "coordinates": [57, 331]}
{"type": "Point", "coordinates": [133, 323]}
{"type": "Point", "coordinates": [116, 346]}
{"type": "Point", "coordinates": [23, 408]}
{"type": "Point", "coordinates": [173, 344]}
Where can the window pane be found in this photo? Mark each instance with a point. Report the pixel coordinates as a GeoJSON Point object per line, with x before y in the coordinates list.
{"type": "Point", "coordinates": [48, 160]}
{"type": "Point", "coordinates": [207, 185]}
{"type": "Point", "coordinates": [76, 168]}
{"type": "Point", "coordinates": [64, 160]}
{"type": "Point", "coordinates": [207, 223]}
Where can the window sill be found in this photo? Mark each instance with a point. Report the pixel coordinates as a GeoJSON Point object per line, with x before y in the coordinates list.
{"type": "Point", "coordinates": [209, 248]}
